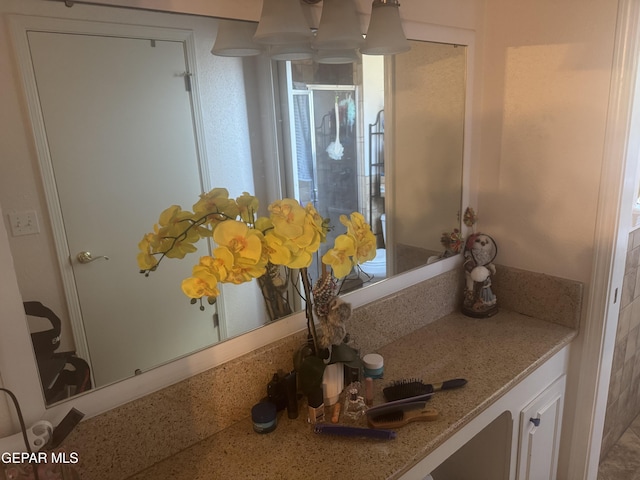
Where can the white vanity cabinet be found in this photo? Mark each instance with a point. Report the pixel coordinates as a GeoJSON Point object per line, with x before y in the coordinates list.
{"type": "Point", "coordinates": [539, 439]}
{"type": "Point", "coordinates": [515, 438]}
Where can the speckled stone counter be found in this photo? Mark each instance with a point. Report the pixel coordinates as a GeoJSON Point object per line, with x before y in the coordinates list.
{"type": "Point", "coordinates": [492, 354]}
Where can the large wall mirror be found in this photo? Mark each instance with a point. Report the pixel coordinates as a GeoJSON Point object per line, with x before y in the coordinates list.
{"type": "Point", "coordinates": [133, 113]}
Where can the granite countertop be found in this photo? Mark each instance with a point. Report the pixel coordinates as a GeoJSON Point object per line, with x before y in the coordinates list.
{"type": "Point", "coordinates": [493, 354]}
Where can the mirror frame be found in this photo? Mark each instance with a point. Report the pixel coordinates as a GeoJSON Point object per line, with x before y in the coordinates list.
{"type": "Point", "coordinates": [17, 362]}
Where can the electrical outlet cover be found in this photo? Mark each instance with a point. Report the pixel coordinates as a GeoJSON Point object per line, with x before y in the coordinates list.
{"type": "Point", "coordinates": [24, 223]}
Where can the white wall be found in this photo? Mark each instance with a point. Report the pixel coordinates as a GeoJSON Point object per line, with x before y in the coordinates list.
{"type": "Point", "coordinates": [543, 118]}
{"type": "Point", "coordinates": [547, 79]}
{"type": "Point", "coordinates": [12, 318]}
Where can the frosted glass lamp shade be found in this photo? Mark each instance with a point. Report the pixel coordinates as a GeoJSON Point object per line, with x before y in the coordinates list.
{"type": "Point", "coordinates": [385, 35]}
{"type": "Point", "coordinates": [291, 52]}
{"type": "Point", "coordinates": [339, 27]}
{"type": "Point", "coordinates": [235, 39]}
{"type": "Point", "coordinates": [282, 23]}
{"type": "Point", "coordinates": [336, 56]}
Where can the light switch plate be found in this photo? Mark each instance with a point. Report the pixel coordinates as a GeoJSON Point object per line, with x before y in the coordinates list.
{"type": "Point", "coordinates": [24, 223]}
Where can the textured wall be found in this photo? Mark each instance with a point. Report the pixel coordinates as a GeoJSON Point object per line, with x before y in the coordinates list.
{"type": "Point", "coordinates": [623, 404]}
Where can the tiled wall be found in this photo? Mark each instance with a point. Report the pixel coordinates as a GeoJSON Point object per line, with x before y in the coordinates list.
{"type": "Point", "coordinates": [623, 404]}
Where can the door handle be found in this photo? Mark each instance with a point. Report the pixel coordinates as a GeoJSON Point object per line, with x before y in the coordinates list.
{"type": "Point", "coordinates": [86, 257]}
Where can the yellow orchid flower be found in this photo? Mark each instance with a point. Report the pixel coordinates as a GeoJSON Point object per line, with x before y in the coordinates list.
{"type": "Point", "coordinates": [317, 221]}
{"type": "Point", "coordinates": [217, 205]}
{"type": "Point", "coordinates": [218, 265]}
{"type": "Point", "coordinates": [174, 215]}
{"type": "Point", "coordinates": [180, 249]}
{"type": "Point", "coordinates": [298, 229]}
{"type": "Point", "coordinates": [248, 207]}
{"type": "Point", "coordinates": [201, 284]}
{"type": "Point", "coordinates": [264, 224]}
{"type": "Point", "coordinates": [241, 248]}
{"type": "Point", "coordinates": [245, 244]}
{"type": "Point", "coordinates": [172, 235]}
{"type": "Point", "coordinates": [364, 237]}
{"type": "Point", "coordinates": [339, 257]}
{"type": "Point", "coordinates": [366, 250]}
{"type": "Point", "coordinates": [279, 253]}
{"type": "Point", "coordinates": [242, 272]}
{"type": "Point", "coordinates": [365, 247]}
{"type": "Point", "coordinates": [356, 225]}
{"type": "Point", "coordinates": [300, 259]}
{"type": "Point", "coordinates": [288, 217]}
{"type": "Point", "coordinates": [146, 261]}
{"type": "Point", "coordinates": [241, 240]}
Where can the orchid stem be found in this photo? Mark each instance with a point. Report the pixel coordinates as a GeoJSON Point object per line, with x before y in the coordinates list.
{"type": "Point", "coordinates": [311, 326]}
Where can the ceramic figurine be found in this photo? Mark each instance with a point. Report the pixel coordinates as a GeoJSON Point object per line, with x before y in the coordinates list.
{"type": "Point", "coordinates": [479, 300]}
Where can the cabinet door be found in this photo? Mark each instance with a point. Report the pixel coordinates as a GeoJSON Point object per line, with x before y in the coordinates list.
{"type": "Point", "coordinates": [540, 423]}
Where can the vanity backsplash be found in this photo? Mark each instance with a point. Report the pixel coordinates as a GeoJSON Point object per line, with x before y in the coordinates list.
{"type": "Point", "coordinates": [132, 437]}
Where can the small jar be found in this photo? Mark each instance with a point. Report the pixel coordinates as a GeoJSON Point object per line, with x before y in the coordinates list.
{"type": "Point", "coordinates": [264, 418]}
{"type": "Point", "coordinates": [373, 365]}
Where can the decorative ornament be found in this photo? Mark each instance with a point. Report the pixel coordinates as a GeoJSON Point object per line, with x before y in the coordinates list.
{"type": "Point", "coordinates": [470, 218]}
{"type": "Point", "coordinates": [479, 300]}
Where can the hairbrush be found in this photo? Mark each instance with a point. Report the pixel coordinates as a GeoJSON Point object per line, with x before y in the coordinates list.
{"type": "Point", "coordinates": [399, 418]}
{"type": "Point", "coordinates": [413, 387]}
{"type": "Point", "coordinates": [413, 403]}
{"type": "Point", "coordinates": [348, 431]}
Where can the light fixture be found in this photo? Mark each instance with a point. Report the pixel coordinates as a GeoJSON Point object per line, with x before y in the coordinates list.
{"type": "Point", "coordinates": [284, 29]}
{"type": "Point", "coordinates": [339, 35]}
{"type": "Point", "coordinates": [385, 35]}
{"type": "Point", "coordinates": [235, 39]}
{"type": "Point", "coordinates": [339, 28]}
{"type": "Point", "coordinates": [285, 35]}
{"type": "Point", "coordinates": [290, 52]}
{"type": "Point", "coordinates": [336, 56]}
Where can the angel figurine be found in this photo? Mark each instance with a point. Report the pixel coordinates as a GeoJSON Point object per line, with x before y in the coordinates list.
{"type": "Point", "coordinates": [479, 300]}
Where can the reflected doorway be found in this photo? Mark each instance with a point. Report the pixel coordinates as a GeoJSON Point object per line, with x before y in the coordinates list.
{"type": "Point", "coordinates": [325, 164]}
{"type": "Point", "coordinates": [120, 135]}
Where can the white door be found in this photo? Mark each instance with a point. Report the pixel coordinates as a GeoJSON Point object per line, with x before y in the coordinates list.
{"type": "Point", "coordinates": [119, 126]}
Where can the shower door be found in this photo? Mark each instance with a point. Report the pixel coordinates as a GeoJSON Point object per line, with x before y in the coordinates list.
{"type": "Point", "coordinates": [325, 156]}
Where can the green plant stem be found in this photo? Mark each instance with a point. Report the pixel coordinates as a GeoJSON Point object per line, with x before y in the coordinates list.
{"type": "Point", "coordinates": [311, 326]}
